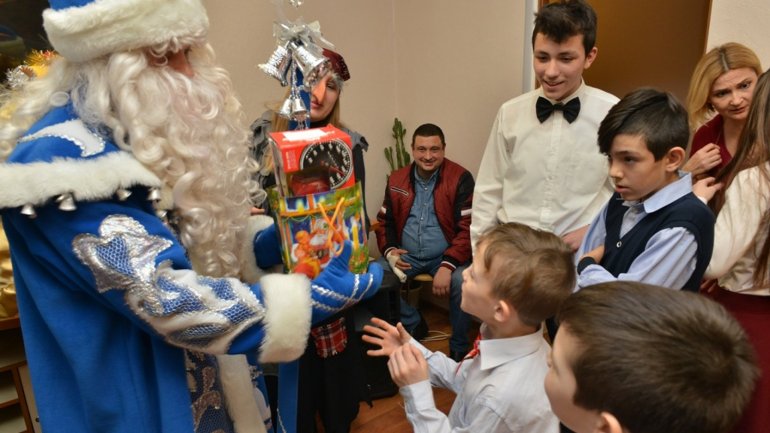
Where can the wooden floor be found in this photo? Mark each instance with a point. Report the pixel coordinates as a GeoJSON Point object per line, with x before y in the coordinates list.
{"type": "Point", "coordinates": [387, 415]}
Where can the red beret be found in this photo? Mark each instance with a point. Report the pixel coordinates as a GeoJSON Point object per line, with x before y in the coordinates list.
{"type": "Point", "coordinates": [338, 64]}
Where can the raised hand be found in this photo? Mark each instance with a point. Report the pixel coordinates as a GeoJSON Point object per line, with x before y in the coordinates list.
{"type": "Point", "coordinates": [386, 336]}
{"type": "Point", "coordinates": [703, 160]}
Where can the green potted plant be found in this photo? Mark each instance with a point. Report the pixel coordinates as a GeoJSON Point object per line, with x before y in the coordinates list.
{"type": "Point", "coordinates": [398, 156]}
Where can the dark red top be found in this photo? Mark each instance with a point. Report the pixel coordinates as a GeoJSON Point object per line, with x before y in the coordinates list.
{"type": "Point", "coordinates": [711, 132]}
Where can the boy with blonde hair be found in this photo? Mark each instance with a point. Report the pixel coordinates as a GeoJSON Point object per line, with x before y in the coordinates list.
{"type": "Point", "coordinates": [519, 278]}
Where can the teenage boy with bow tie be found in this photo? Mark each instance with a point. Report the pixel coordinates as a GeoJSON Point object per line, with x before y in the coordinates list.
{"type": "Point", "coordinates": [541, 166]}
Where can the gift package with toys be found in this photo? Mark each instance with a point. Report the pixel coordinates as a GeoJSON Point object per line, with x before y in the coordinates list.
{"type": "Point", "coordinates": [317, 203]}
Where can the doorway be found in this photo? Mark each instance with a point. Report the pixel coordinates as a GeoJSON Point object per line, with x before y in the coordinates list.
{"type": "Point", "coordinates": [654, 43]}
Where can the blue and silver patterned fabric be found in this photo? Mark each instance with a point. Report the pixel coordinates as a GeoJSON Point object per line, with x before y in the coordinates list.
{"type": "Point", "coordinates": [108, 299]}
{"type": "Point", "coordinates": [119, 330]}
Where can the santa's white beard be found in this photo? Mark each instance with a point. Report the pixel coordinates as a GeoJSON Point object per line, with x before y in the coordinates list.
{"type": "Point", "coordinates": [188, 131]}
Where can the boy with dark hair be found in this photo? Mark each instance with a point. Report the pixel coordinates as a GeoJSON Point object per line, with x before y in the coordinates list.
{"type": "Point", "coordinates": [635, 358]}
{"type": "Point", "coordinates": [519, 278]}
{"type": "Point", "coordinates": [560, 21]}
{"type": "Point", "coordinates": [540, 166]}
{"type": "Point", "coordinates": [653, 229]}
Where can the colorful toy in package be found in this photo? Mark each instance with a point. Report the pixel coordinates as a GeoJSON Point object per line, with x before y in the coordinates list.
{"type": "Point", "coordinates": [317, 203]}
{"type": "Point", "coordinates": [314, 226]}
{"type": "Point", "coordinates": [312, 160]}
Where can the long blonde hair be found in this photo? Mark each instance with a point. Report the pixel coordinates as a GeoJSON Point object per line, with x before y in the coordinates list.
{"type": "Point", "coordinates": [753, 150]}
{"type": "Point", "coordinates": [711, 66]}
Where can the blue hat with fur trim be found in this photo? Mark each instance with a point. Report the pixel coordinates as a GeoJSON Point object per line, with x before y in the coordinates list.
{"type": "Point", "coordinates": [82, 30]}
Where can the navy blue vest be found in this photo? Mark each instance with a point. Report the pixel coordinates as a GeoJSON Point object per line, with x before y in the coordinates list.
{"type": "Point", "coordinates": [688, 212]}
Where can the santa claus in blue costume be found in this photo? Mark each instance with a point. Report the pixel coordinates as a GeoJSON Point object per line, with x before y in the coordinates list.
{"type": "Point", "coordinates": [126, 189]}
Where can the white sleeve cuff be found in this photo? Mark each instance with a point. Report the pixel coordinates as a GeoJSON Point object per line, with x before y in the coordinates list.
{"type": "Point", "coordinates": [287, 318]}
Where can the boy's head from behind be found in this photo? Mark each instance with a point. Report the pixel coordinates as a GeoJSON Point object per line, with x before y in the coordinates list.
{"type": "Point", "coordinates": [526, 269]}
{"type": "Point", "coordinates": [644, 135]}
{"type": "Point", "coordinates": [563, 42]}
{"type": "Point", "coordinates": [634, 358]}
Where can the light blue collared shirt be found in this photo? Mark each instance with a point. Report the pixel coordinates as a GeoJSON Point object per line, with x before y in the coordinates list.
{"type": "Point", "coordinates": [422, 235]}
{"type": "Point", "coordinates": [669, 258]}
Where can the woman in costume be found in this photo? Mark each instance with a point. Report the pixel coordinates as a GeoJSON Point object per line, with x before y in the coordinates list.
{"type": "Point", "coordinates": [331, 379]}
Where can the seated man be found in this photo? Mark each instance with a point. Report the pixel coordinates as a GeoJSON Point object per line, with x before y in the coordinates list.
{"type": "Point", "coordinates": [425, 229]}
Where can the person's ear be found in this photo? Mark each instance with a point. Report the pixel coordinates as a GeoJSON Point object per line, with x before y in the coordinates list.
{"type": "Point", "coordinates": [590, 57]}
{"type": "Point", "coordinates": [503, 311]}
{"type": "Point", "coordinates": [607, 423]}
{"type": "Point", "coordinates": [674, 159]}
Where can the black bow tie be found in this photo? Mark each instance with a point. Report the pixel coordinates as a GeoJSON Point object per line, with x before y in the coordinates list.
{"type": "Point", "coordinates": [544, 109]}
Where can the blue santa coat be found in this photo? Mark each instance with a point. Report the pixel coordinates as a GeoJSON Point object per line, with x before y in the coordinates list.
{"type": "Point", "coordinates": [108, 302]}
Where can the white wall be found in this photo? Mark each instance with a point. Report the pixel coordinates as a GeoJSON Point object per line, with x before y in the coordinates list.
{"type": "Point", "coordinates": [744, 21]}
{"type": "Point", "coordinates": [421, 61]}
{"type": "Point", "coordinates": [456, 65]}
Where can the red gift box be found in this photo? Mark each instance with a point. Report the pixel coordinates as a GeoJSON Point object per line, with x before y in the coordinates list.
{"type": "Point", "coordinates": [312, 160]}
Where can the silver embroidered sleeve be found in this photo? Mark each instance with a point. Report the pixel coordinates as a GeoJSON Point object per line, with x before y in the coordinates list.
{"type": "Point", "coordinates": [191, 311]}
{"type": "Point", "coordinates": [337, 300]}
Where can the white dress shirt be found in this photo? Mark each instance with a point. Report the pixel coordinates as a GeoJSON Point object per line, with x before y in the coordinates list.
{"type": "Point", "coordinates": [548, 175]}
{"type": "Point", "coordinates": [737, 241]}
{"type": "Point", "coordinates": [500, 390]}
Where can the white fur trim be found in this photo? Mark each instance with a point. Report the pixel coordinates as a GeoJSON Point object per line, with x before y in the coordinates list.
{"type": "Point", "coordinates": [88, 179]}
{"type": "Point", "coordinates": [107, 26]}
{"type": "Point", "coordinates": [239, 394]}
{"type": "Point", "coordinates": [287, 321]}
{"type": "Point", "coordinates": [250, 272]}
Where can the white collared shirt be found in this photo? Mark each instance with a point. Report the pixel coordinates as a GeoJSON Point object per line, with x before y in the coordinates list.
{"type": "Point", "coordinates": [550, 176]}
{"type": "Point", "coordinates": [500, 390]}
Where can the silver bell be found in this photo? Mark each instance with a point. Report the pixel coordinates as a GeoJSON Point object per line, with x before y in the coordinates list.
{"type": "Point", "coordinates": [154, 194]}
{"type": "Point", "coordinates": [312, 64]}
{"type": "Point", "coordinates": [66, 202]}
{"type": "Point", "coordinates": [286, 108]}
{"type": "Point", "coordinates": [28, 210]}
{"type": "Point", "coordinates": [123, 194]}
{"type": "Point", "coordinates": [278, 65]}
{"type": "Point", "coordinates": [298, 109]}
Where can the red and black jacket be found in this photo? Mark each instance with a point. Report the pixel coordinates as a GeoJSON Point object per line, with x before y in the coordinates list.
{"type": "Point", "coordinates": [452, 198]}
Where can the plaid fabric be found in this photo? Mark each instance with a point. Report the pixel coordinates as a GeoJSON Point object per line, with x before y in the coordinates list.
{"type": "Point", "coordinates": [330, 339]}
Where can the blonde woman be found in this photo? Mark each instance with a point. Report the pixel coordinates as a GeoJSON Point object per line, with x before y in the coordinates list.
{"type": "Point", "coordinates": [331, 378]}
{"type": "Point", "coordinates": [741, 260]}
{"type": "Point", "coordinates": [718, 103]}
